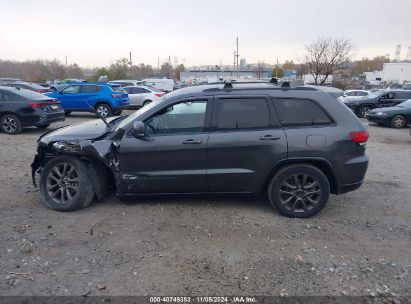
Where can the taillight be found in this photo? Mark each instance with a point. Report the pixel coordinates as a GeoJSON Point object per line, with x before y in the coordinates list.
{"type": "Point", "coordinates": [159, 94]}
{"type": "Point", "coordinates": [359, 137]}
{"type": "Point", "coordinates": [42, 104]}
{"type": "Point", "coordinates": [116, 95]}
{"type": "Point", "coordinates": [41, 91]}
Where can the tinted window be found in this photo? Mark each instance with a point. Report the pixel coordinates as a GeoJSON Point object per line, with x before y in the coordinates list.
{"type": "Point", "coordinates": [26, 94]}
{"type": "Point", "coordinates": [138, 90]}
{"type": "Point", "coordinates": [362, 94]}
{"type": "Point", "coordinates": [242, 114]}
{"type": "Point", "coordinates": [4, 96]}
{"type": "Point", "coordinates": [185, 117]}
{"type": "Point", "coordinates": [128, 90]}
{"type": "Point", "coordinates": [403, 95]}
{"type": "Point", "coordinates": [90, 88]}
{"type": "Point", "coordinates": [300, 112]}
{"type": "Point", "coordinates": [72, 90]}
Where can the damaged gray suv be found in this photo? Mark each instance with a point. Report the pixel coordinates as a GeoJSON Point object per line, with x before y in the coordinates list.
{"type": "Point", "coordinates": [294, 144]}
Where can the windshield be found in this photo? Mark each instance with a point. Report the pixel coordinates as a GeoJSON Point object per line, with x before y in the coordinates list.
{"type": "Point", "coordinates": [137, 113]}
{"type": "Point", "coordinates": [376, 94]}
{"type": "Point", "coordinates": [405, 104]}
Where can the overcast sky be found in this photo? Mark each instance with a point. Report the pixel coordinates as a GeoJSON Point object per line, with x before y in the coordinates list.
{"type": "Point", "coordinates": [97, 32]}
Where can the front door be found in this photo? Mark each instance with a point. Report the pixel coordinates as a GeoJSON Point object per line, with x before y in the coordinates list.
{"type": "Point", "coordinates": [70, 97]}
{"type": "Point", "coordinates": [245, 143]}
{"type": "Point", "coordinates": [171, 157]}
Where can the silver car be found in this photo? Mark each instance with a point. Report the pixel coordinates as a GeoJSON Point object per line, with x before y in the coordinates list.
{"type": "Point", "coordinates": [141, 95]}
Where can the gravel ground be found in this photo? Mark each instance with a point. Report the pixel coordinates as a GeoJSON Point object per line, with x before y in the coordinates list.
{"type": "Point", "coordinates": [360, 244]}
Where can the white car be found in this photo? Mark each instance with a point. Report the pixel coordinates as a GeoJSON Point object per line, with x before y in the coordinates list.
{"type": "Point", "coordinates": [139, 96]}
{"type": "Point", "coordinates": [162, 84]}
{"type": "Point", "coordinates": [350, 94]}
{"type": "Point", "coordinates": [127, 83]}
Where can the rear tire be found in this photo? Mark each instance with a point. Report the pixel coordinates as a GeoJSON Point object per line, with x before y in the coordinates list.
{"type": "Point", "coordinates": [146, 102]}
{"type": "Point", "coordinates": [363, 111]}
{"type": "Point", "coordinates": [104, 110]}
{"type": "Point", "coordinates": [65, 184]}
{"type": "Point", "coordinates": [299, 190]}
{"type": "Point", "coordinates": [398, 122]}
{"type": "Point", "coordinates": [67, 113]}
{"type": "Point", "coordinates": [10, 124]}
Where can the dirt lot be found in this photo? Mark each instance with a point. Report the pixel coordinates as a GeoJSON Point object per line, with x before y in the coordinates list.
{"type": "Point", "coordinates": [360, 244]}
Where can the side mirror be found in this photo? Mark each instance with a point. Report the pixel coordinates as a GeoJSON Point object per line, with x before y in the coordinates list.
{"type": "Point", "coordinates": [139, 129]}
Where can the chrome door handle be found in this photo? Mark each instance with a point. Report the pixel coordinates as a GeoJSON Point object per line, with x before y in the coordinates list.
{"type": "Point", "coordinates": [192, 142]}
{"type": "Point", "coordinates": [269, 137]}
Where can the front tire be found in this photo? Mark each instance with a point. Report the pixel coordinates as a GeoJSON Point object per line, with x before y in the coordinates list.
{"type": "Point", "coordinates": [104, 110]}
{"type": "Point", "coordinates": [65, 184]}
{"type": "Point", "coordinates": [300, 191]}
{"type": "Point", "coordinates": [10, 124]}
{"type": "Point", "coordinates": [398, 122]}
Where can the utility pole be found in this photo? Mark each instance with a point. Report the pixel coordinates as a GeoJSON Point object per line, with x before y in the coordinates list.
{"type": "Point", "coordinates": [158, 63]}
{"type": "Point", "coordinates": [131, 63]}
{"type": "Point", "coordinates": [169, 63]}
{"type": "Point", "coordinates": [237, 55]}
{"type": "Point", "coordinates": [233, 65]}
{"type": "Point", "coordinates": [66, 61]}
{"type": "Point", "coordinates": [276, 69]}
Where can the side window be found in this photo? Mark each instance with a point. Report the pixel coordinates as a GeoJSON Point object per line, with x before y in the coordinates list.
{"type": "Point", "coordinates": [185, 117]}
{"type": "Point", "coordinates": [362, 94]}
{"type": "Point", "coordinates": [128, 90]}
{"type": "Point", "coordinates": [145, 90]}
{"type": "Point", "coordinates": [300, 112]}
{"type": "Point", "coordinates": [390, 95]}
{"type": "Point", "coordinates": [72, 90]}
{"type": "Point", "coordinates": [90, 88]}
{"type": "Point", "coordinates": [243, 114]}
{"type": "Point", "coordinates": [138, 90]}
{"type": "Point", "coordinates": [403, 95]}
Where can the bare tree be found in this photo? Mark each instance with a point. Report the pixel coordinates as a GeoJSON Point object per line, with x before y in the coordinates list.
{"type": "Point", "coordinates": [327, 55]}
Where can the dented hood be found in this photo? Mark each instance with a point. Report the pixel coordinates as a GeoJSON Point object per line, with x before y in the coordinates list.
{"type": "Point", "coordinates": [87, 130]}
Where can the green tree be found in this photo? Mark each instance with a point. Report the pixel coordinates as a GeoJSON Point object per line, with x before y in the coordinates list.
{"type": "Point", "coordinates": [277, 72]}
{"type": "Point", "coordinates": [99, 72]}
{"type": "Point", "coordinates": [289, 65]}
{"type": "Point", "coordinates": [119, 69]}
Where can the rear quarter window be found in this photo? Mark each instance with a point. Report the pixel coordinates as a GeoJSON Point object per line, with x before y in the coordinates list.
{"type": "Point", "coordinates": [300, 112]}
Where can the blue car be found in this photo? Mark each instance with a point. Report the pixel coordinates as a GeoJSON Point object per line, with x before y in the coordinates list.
{"type": "Point", "coordinates": [106, 99]}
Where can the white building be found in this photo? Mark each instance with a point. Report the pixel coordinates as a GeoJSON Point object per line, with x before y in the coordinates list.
{"type": "Point", "coordinates": [398, 72]}
{"type": "Point", "coordinates": [309, 79]}
{"type": "Point", "coordinates": [374, 78]}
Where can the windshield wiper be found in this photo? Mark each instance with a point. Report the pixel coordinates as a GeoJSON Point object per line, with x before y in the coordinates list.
{"type": "Point", "coordinates": [98, 115]}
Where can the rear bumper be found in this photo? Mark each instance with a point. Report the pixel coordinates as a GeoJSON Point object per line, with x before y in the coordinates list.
{"type": "Point", "coordinates": [43, 119]}
{"type": "Point", "coordinates": [354, 174]}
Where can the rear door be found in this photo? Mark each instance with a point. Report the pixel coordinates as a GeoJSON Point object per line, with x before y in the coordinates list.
{"type": "Point", "coordinates": [88, 95]}
{"type": "Point", "coordinates": [244, 144]}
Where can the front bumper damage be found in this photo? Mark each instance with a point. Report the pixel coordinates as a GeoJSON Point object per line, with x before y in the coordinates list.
{"type": "Point", "coordinates": [97, 154]}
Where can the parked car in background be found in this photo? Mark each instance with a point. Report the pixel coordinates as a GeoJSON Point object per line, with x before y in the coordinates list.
{"type": "Point", "coordinates": [228, 138]}
{"type": "Point", "coordinates": [162, 84]}
{"type": "Point", "coordinates": [28, 86]}
{"type": "Point", "coordinates": [127, 83]}
{"type": "Point", "coordinates": [395, 117]}
{"type": "Point", "coordinates": [106, 99]}
{"type": "Point", "coordinates": [142, 95]}
{"type": "Point", "coordinates": [56, 86]}
{"type": "Point", "coordinates": [20, 108]}
{"type": "Point", "coordinates": [406, 86]}
{"type": "Point", "coordinates": [379, 99]}
{"type": "Point", "coordinates": [352, 94]}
